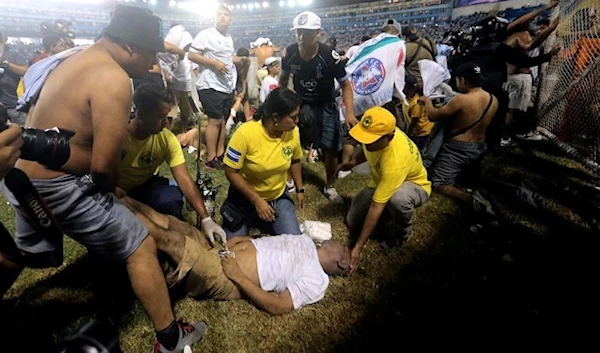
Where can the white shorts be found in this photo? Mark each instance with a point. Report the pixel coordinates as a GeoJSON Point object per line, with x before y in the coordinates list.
{"type": "Point", "coordinates": [518, 87]}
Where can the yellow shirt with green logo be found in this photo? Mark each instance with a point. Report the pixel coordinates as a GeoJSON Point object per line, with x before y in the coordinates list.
{"type": "Point", "coordinates": [400, 161]}
{"type": "Point", "coordinates": [263, 161]}
{"type": "Point", "coordinates": [141, 158]}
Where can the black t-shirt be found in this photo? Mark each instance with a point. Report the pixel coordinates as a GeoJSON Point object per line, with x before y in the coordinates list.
{"type": "Point", "coordinates": [10, 80]}
{"type": "Point", "coordinates": [313, 80]}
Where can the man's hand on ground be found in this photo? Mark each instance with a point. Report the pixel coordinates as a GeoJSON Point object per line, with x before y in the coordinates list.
{"type": "Point", "coordinates": [265, 211]}
{"type": "Point", "coordinates": [346, 166]}
{"type": "Point", "coordinates": [354, 259]}
{"type": "Point", "coordinates": [210, 229]}
{"type": "Point", "coordinates": [231, 268]}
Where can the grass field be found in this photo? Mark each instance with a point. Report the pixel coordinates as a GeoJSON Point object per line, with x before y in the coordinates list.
{"type": "Point", "coordinates": [448, 287]}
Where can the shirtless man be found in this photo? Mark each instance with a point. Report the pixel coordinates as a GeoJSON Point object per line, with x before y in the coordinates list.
{"type": "Point", "coordinates": [469, 114]}
{"type": "Point", "coordinates": [278, 274]}
{"type": "Point", "coordinates": [80, 193]}
{"type": "Point", "coordinates": [520, 82]}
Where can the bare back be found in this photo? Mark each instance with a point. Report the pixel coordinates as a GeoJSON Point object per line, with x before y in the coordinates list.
{"type": "Point", "coordinates": [518, 40]}
{"type": "Point", "coordinates": [473, 104]}
{"type": "Point", "coordinates": [72, 94]}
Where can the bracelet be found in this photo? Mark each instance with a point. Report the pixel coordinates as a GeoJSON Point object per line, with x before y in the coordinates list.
{"type": "Point", "coordinates": [301, 190]}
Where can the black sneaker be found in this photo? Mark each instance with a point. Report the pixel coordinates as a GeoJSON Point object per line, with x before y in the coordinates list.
{"type": "Point", "coordinates": [188, 335]}
{"type": "Point", "coordinates": [215, 164]}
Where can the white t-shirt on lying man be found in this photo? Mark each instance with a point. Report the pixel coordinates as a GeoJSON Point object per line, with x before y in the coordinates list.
{"type": "Point", "coordinates": [291, 262]}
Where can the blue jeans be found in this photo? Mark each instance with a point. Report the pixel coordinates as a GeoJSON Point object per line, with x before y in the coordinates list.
{"type": "Point", "coordinates": [160, 195]}
{"type": "Point", "coordinates": [239, 215]}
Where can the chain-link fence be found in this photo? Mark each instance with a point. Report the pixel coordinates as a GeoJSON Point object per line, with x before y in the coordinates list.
{"type": "Point", "coordinates": [569, 98]}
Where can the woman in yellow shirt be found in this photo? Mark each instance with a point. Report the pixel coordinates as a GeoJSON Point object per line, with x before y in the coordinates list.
{"type": "Point", "coordinates": [257, 161]}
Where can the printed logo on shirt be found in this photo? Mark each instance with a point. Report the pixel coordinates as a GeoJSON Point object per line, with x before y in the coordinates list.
{"type": "Point", "coordinates": [287, 153]}
{"type": "Point", "coordinates": [336, 56]}
{"type": "Point", "coordinates": [147, 158]}
{"type": "Point", "coordinates": [368, 77]}
{"type": "Point", "coordinates": [233, 154]}
{"type": "Point", "coordinates": [309, 85]}
{"type": "Point", "coordinates": [319, 69]}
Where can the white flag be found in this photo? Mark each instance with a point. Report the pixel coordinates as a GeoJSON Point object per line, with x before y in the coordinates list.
{"type": "Point", "coordinates": [377, 72]}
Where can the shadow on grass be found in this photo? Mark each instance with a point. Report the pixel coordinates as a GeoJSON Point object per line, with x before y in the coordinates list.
{"type": "Point", "coordinates": [37, 318]}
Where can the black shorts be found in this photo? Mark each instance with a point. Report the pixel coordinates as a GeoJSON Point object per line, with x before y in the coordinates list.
{"type": "Point", "coordinates": [215, 104]}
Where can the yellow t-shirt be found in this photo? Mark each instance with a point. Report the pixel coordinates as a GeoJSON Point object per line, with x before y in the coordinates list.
{"type": "Point", "coordinates": [417, 112]}
{"type": "Point", "coordinates": [390, 167]}
{"type": "Point", "coordinates": [141, 158]}
{"type": "Point", "coordinates": [263, 161]}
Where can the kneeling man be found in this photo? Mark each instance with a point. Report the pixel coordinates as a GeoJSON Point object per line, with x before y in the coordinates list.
{"type": "Point", "coordinates": [398, 178]}
{"type": "Point", "coordinates": [148, 145]}
{"type": "Point", "coordinates": [278, 274]}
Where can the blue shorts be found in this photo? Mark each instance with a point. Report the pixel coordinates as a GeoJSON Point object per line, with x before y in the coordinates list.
{"type": "Point", "coordinates": [97, 220]}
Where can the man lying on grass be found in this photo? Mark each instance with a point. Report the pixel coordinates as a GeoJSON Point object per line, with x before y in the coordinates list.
{"type": "Point", "coordinates": [278, 274]}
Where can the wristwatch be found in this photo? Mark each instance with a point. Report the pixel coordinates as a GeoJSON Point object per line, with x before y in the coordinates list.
{"type": "Point", "coordinates": [301, 190]}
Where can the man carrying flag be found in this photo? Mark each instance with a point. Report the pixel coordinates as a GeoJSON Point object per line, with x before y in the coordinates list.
{"type": "Point", "coordinates": [376, 73]}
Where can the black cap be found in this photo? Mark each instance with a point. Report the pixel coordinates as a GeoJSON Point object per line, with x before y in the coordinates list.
{"type": "Point", "coordinates": [137, 26]}
{"type": "Point", "coordinates": [410, 81]}
{"type": "Point", "coordinates": [469, 71]}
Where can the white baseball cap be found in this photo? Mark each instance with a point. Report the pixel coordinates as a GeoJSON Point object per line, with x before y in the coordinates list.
{"type": "Point", "coordinates": [270, 61]}
{"type": "Point", "coordinates": [259, 42]}
{"type": "Point", "coordinates": [306, 20]}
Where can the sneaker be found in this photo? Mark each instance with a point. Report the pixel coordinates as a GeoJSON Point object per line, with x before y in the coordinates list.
{"type": "Point", "coordinates": [507, 142]}
{"type": "Point", "coordinates": [291, 187]}
{"type": "Point", "coordinates": [314, 157]}
{"type": "Point", "coordinates": [480, 203]}
{"type": "Point", "coordinates": [530, 136]}
{"type": "Point", "coordinates": [342, 174]}
{"type": "Point", "coordinates": [332, 195]}
{"type": "Point", "coordinates": [188, 335]}
{"type": "Point", "coordinates": [215, 164]}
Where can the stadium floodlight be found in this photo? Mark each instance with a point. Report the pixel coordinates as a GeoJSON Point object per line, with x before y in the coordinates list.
{"type": "Point", "coordinates": [256, 5]}
{"type": "Point", "coordinates": [265, 4]}
{"type": "Point", "coordinates": [282, 3]}
{"type": "Point", "coordinates": [244, 6]}
{"type": "Point", "coordinates": [291, 3]}
{"type": "Point", "coordinates": [238, 6]}
{"type": "Point", "coordinates": [172, 3]}
{"type": "Point", "coordinates": [304, 2]}
{"type": "Point", "coordinates": [152, 2]}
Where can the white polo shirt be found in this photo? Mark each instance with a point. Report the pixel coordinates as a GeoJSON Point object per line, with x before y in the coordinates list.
{"type": "Point", "coordinates": [213, 45]}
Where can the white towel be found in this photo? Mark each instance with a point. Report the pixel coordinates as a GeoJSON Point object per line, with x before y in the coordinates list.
{"type": "Point", "coordinates": [317, 231]}
{"type": "Point", "coordinates": [433, 75]}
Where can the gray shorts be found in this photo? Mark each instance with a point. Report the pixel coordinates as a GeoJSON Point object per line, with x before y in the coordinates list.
{"type": "Point", "coordinates": [453, 158]}
{"type": "Point", "coordinates": [519, 87]}
{"type": "Point", "coordinates": [97, 220]}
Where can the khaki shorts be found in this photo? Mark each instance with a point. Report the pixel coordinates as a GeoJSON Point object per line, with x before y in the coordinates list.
{"type": "Point", "coordinates": [200, 273]}
{"type": "Point", "coordinates": [182, 103]}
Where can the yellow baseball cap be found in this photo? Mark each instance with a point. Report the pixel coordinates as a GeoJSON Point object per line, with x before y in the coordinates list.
{"type": "Point", "coordinates": [375, 123]}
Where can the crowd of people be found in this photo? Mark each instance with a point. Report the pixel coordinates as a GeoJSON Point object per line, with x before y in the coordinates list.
{"type": "Point", "coordinates": [371, 105]}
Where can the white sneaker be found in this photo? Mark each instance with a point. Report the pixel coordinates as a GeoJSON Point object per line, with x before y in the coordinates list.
{"type": "Point", "coordinates": [291, 187]}
{"type": "Point", "coordinates": [342, 174]}
{"type": "Point", "coordinates": [507, 142]}
{"type": "Point", "coordinates": [314, 157]}
{"type": "Point", "coordinates": [530, 136]}
{"type": "Point", "coordinates": [332, 195]}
